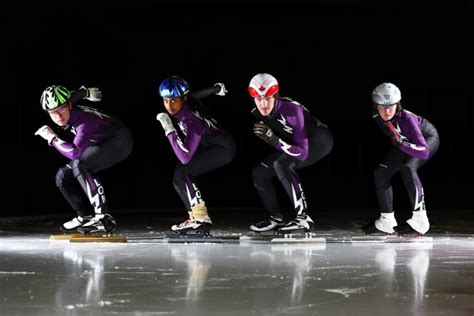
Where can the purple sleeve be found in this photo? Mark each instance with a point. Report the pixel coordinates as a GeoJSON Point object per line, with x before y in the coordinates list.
{"type": "Point", "coordinates": [299, 149]}
{"type": "Point", "coordinates": [185, 151]}
{"type": "Point", "coordinates": [80, 142]}
{"type": "Point", "coordinates": [414, 144]}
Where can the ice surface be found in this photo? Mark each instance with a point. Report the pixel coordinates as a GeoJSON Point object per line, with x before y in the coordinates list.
{"type": "Point", "coordinates": [149, 277]}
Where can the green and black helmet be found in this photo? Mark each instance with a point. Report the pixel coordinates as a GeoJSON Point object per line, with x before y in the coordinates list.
{"type": "Point", "coordinates": [54, 97]}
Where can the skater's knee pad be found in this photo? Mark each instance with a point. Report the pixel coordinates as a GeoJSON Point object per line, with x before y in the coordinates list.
{"type": "Point", "coordinates": [77, 168]}
{"type": "Point", "coordinates": [61, 175]}
{"type": "Point", "coordinates": [259, 175]}
{"type": "Point", "coordinates": [282, 170]}
{"type": "Point", "coordinates": [382, 174]}
{"type": "Point", "coordinates": [408, 172]}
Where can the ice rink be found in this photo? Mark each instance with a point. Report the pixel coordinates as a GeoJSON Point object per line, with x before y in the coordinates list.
{"type": "Point", "coordinates": [147, 276]}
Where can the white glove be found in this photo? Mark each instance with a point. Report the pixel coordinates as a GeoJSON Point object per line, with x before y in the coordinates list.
{"type": "Point", "coordinates": [93, 94]}
{"type": "Point", "coordinates": [166, 123]}
{"type": "Point", "coordinates": [222, 91]}
{"type": "Point", "coordinates": [47, 133]}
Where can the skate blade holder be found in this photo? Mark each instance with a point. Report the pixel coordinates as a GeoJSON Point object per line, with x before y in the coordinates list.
{"type": "Point", "coordinates": [98, 238]}
{"type": "Point", "coordinates": [308, 237]}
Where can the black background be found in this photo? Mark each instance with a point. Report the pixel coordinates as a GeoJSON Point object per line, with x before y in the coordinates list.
{"type": "Point", "coordinates": [328, 55]}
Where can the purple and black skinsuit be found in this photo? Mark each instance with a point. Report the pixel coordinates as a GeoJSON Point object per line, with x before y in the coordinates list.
{"type": "Point", "coordinates": [202, 146]}
{"type": "Point", "coordinates": [303, 140]}
{"type": "Point", "coordinates": [420, 143]}
{"type": "Point", "coordinates": [96, 141]}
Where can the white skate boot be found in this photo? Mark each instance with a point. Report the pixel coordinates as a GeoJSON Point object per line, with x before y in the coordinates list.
{"type": "Point", "coordinates": [419, 222]}
{"type": "Point", "coordinates": [199, 221]}
{"type": "Point", "coordinates": [386, 222]}
{"type": "Point", "coordinates": [74, 223]}
{"type": "Point", "coordinates": [202, 224]}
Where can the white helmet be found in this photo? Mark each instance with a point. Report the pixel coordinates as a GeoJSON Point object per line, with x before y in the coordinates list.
{"type": "Point", "coordinates": [386, 94]}
{"type": "Point", "coordinates": [263, 85]}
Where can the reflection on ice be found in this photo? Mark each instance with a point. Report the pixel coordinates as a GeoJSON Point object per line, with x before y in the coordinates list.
{"type": "Point", "coordinates": [60, 278]}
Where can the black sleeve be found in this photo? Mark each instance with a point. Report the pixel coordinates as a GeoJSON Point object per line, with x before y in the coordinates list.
{"type": "Point", "coordinates": [80, 94]}
{"type": "Point", "coordinates": [381, 124]}
{"type": "Point", "coordinates": [206, 92]}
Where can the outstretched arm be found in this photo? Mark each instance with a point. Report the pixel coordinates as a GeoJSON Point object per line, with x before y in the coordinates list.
{"type": "Point", "coordinates": [92, 94]}
{"type": "Point", "coordinates": [218, 89]}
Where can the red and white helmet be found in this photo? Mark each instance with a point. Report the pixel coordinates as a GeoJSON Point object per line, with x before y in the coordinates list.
{"type": "Point", "coordinates": [263, 85]}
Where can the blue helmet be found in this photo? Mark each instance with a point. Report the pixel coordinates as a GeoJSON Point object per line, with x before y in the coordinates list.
{"type": "Point", "coordinates": [173, 87]}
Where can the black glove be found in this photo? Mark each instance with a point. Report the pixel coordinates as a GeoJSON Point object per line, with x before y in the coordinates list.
{"type": "Point", "coordinates": [261, 130]}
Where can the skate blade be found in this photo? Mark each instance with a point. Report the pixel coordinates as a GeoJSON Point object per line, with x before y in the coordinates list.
{"type": "Point", "coordinates": [390, 239]}
{"type": "Point", "coordinates": [64, 236]}
{"type": "Point", "coordinates": [200, 239]}
{"type": "Point", "coordinates": [374, 238]}
{"type": "Point", "coordinates": [298, 240]}
{"type": "Point", "coordinates": [411, 239]}
{"type": "Point", "coordinates": [98, 238]}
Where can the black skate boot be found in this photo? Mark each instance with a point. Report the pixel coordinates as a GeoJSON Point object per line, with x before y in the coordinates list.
{"type": "Point", "coordinates": [100, 223]}
{"type": "Point", "coordinates": [74, 224]}
{"type": "Point", "coordinates": [267, 224]}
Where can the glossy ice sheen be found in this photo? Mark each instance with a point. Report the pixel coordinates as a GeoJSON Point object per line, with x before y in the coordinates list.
{"type": "Point", "coordinates": [43, 277]}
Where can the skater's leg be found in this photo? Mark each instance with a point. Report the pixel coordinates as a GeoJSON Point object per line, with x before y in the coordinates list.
{"type": "Point", "coordinates": [91, 186]}
{"type": "Point", "coordinates": [419, 221]}
{"type": "Point", "coordinates": [204, 160]}
{"type": "Point", "coordinates": [262, 175]}
{"type": "Point", "coordinates": [97, 158]}
{"type": "Point", "coordinates": [73, 193]}
{"type": "Point", "coordinates": [320, 145]}
{"type": "Point", "coordinates": [383, 174]}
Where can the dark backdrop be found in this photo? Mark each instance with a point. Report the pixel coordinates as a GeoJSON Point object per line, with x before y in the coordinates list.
{"type": "Point", "coordinates": [327, 55]}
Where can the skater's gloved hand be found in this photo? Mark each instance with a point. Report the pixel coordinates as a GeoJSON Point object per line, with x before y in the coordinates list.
{"type": "Point", "coordinates": [47, 133]}
{"type": "Point", "coordinates": [93, 94]}
{"type": "Point", "coordinates": [222, 91]}
{"type": "Point", "coordinates": [394, 135]}
{"type": "Point", "coordinates": [381, 124]}
{"type": "Point", "coordinates": [264, 132]}
{"type": "Point", "coordinates": [166, 123]}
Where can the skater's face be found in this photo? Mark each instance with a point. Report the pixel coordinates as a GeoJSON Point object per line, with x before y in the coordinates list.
{"type": "Point", "coordinates": [61, 115]}
{"type": "Point", "coordinates": [265, 104]}
{"type": "Point", "coordinates": [387, 111]}
{"type": "Point", "coordinates": [174, 105]}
